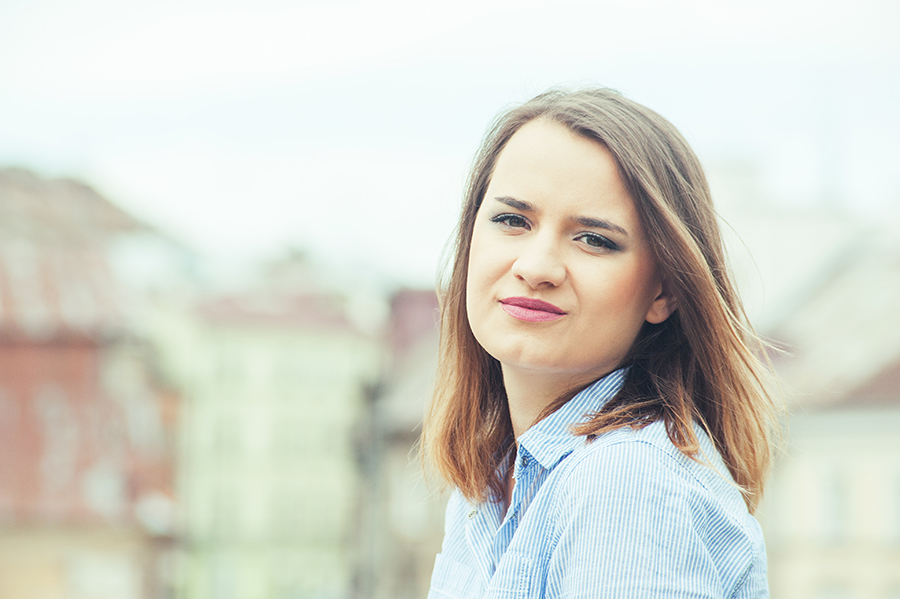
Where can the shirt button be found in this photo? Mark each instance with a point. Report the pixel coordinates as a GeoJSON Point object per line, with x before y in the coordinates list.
{"type": "Point", "coordinates": [472, 514]}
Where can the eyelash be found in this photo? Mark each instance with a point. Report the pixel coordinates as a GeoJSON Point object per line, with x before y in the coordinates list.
{"type": "Point", "coordinates": [600, 241]}
{"type": "Point", "coordinates": [504, 219]}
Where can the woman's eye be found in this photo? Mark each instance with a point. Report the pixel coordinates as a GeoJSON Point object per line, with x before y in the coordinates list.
{"type": "Point", "coordinates": [513, 221]}
{"type": "Point", "coordinates": [597, 241]}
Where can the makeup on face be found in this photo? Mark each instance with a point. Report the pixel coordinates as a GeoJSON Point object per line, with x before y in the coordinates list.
{"type": "Point", "coordinates": [531, 310]}
{"type": "Point", "coordinates": [560, 277]}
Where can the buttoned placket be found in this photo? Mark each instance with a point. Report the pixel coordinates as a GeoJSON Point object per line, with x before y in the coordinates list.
{"type": "Point", "coordinates": [487, 532]}
{"type": "Point", "coordinates": [488, 537]}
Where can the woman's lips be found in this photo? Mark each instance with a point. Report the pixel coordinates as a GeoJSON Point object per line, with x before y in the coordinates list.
{"type": "Point", "coordinates": [531, 310]}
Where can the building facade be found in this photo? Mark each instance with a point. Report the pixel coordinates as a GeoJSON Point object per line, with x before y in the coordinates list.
{"type": "Point", "coordinates": [274, 381]}
{"type": "Point", "coordinates": [401, 510]}
{"type": "Point", "coordinates": [87, 429]}
{"type": "Point", "coordinates": [832, 512]}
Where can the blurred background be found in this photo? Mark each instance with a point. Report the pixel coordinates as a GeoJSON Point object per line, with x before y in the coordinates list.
{"type": "Point", "coordinates": [220, 225]}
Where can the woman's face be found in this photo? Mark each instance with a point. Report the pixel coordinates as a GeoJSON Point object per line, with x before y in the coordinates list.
{"type": "Point", "coordinates": [560, 275]}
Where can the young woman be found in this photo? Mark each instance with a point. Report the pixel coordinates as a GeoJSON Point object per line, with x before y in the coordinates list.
{"type": "Point", "coordinates": [599, 408]}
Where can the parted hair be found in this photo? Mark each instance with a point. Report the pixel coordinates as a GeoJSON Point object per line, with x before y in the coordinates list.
{"type": "Point", "coordinates": [704, 364]}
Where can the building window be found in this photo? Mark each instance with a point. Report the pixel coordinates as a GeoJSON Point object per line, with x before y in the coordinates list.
{"type": "Point", "coordinates": [228, 436]}
{"type": "Point", "coordinates": [836, 504]}
{"type": "Point", "coordinates": [286, 580]}
{"type": "Point", "coordinates": [289, 514]}
{"type": "Point", "coordinates": [290, 439]}
{"type": "Point", "coordinates": [227, 510]}
{"type": "Point", "coordinates": [229, 371]}
{"type": "Point", "coordinates": [834, 591]}
{"type": "Point", "coordinates": [224, 576]}
{"type": "Point", "coordinates": [894, 516]}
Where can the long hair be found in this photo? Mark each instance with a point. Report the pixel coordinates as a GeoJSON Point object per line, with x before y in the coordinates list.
{"type": "Point", "coordinates": [701, 365]}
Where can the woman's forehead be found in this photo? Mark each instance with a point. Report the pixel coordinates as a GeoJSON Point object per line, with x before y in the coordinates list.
{"type": "Point", "coordinates": [545, 162]}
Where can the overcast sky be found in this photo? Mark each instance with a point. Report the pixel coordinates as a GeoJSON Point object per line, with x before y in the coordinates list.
{"type": "Point", "coordinates": [346, 127]}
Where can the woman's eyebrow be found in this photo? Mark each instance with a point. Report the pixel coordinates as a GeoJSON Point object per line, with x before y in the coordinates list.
{"type": "Point", "coordinates": [596, 223]}
{"type": "Point", "coordinates": [514, 203]}
{"type": "Point", "coordinates": [584, 221]}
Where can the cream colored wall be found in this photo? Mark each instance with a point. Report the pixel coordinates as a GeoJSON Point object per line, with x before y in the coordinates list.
{"type": "Point", "coordinates": [78, 563]}
{"type": "Point", "coordinates": [268, 475]}
{"type": "Point", "coordinates": [832, 510]}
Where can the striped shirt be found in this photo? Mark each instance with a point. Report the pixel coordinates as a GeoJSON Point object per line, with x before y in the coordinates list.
{"type": "Point", "coordinates": [625, 516]}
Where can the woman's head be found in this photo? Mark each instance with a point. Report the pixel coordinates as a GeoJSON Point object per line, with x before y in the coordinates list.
{"type": "Point", "coordinates": [560, 276]}
{"type": "Point", "coordinates": [694, 365]}
{"type": "Point", "coordinates": [657, 167]}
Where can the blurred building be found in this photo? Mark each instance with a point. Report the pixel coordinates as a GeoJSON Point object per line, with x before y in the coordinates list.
{"type": "Point", "coordinates": [285, 466]}
{"type": "Point", "coordinates": [274, 378]}
{"type": "Point", "coordinates": [87, 429]}
{"type": "Point", "coordinates": [402, 514]}
{"type": "Point", "coordinates": [832, 512]}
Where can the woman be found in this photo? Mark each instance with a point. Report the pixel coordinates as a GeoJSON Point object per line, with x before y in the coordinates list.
{"type": "Point", "coordinates": [599, 407]}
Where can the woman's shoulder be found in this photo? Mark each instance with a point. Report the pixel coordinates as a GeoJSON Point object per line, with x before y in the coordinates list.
{"type": "Point", "coordinates": [643, 506]}
{"type": "Point", "coordinates": [631, 465]}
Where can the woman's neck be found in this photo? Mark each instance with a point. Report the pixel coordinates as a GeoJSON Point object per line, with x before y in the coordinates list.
{"type": "Point", "coordinates": [529, 393]}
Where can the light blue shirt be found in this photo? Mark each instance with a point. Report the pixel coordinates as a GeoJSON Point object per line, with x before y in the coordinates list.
{"type": "Point", "coordinates": [625, 516]}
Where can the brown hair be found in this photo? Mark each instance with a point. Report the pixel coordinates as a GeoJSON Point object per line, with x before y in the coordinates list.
{"type": "Point", "coordinates": [702, 364]}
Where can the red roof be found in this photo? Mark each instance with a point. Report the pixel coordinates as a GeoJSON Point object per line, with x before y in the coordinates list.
{"type": "Point", "coordinates": [49, 292]}
{"type": "Point", "coordinates": [55, 279]}
{"type": "Point", "coordinates": [880, 391]}
{"type": "Point", "coordinates": [306, 311]}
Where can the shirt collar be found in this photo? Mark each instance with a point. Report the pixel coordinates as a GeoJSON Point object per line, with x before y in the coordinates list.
{"type": "Point", "coordinates": [551, 439]}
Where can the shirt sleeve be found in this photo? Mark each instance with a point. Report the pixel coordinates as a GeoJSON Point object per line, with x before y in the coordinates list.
{"type": "Point", "coordinates": [633, 524]}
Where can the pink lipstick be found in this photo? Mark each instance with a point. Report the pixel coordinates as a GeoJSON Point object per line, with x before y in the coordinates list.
{"type": "Point", "coordinates": [531, 310]}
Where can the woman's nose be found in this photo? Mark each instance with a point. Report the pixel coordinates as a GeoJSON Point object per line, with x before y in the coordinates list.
{"type": "Point", "coordinates": [539, 264]}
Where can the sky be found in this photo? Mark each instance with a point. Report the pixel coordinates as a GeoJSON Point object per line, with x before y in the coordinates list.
{"type": "Point", "coordinates": [345, 128]}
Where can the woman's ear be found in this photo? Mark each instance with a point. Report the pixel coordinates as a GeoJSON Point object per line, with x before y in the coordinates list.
{"type": "Point", "coordinates": [663, 305]}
